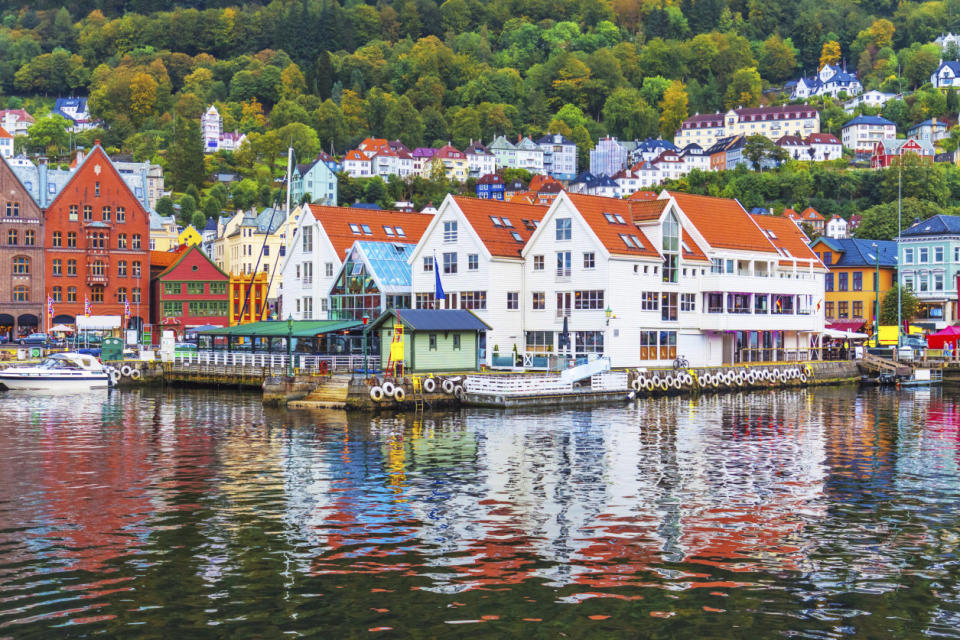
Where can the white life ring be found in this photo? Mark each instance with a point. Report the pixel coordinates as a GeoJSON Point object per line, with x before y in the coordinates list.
{"type": "Point", "coordinates": [688, 379]}
{"type": "Point", "coordinates": [677, 383]}
{"type": "Point", "coordinates": [114, 375]}
{"type": "Point", "coordinates": [803, 378]}
{"type": "Point", "coordinates": [399, 394]}
{"type": "Point", "coordinates": [447, 386]}
{"type": "Point", "coordinates": [781, 377]}
{"type": "Point", "coordinates": [706, 380]}
{"type": "Point", "coordinates": [376, 394]}
{"type": "Point", "coordinates": [135, 374]}
{"type": "Point", "coordinates": [459, 392]}
{"type": "Point", "coordinates": [636, 385]}
{"type": "Point", "coordinates": [125, 370]}
{"type": "Point", "coordinates": [656, 380]}
{"type": "Point", "coordinates": [649, 385]}
{"type": "Point", "coordinates": [429, 385]}
{"type": "Point", "coordinates": [389, 388]}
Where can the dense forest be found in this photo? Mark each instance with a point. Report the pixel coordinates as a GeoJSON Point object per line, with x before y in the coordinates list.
{"type": "Point", "coordinates": [321, 74]}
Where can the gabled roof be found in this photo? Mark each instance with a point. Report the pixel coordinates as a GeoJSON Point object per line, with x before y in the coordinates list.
{"type": "Point", "coordinates": [868, 120]}
{"type": "Point", "coordinates": [528, 145]}
{"type": "Point", "coordinates": [336, 223]}
{"type": "Point", "coordinates": [181, 253]}
{"type": "Point", "coordinates": [822, 138]}
{"type": "Point", "coordinates": [477, 149]}
{"type": "Point", "coordinates": [723, 222]}
{"type": "Point", "coordinates": [501, 143]}
{"type": "Point", "coordinates": [490, 178]}
{"type": "Point", "coordinates": [691, 250]}
{"type": "Point", "coordinates": [359, 156]}
{"type": "Point", "coordinates": [937, 225]}
{"type": "Point", "coordinates": [953, 65]}
{"type": "Point", "coordinates": [790, 141]}
{"type": "Point", "coordinates": [811, 214]}
{"type": "Point", "coordinates": [592, 210]}
{"type": "Point", "coordinates": [644, 210]}
{"type": "Point", "coordinates": [387, 264]}
{"type": "Point", "coordinates": [554, 138]}
{"type": "Point", "coordinates": [538, 181]}
{"type": "Point", "coordinates": [4, 133]}
{"type": "Point", "coordinates": [449, 151]}
{"type": "Point", "coordinates": [433, 320]}
{"type": "Point", "coordinates": [165, 259]}
{"type": "Point", "coordinates": [643, 195]}
{"type": "Point", "coordinates": [859, 252]}
{"type": "Point", "coordinates": [787, 238]}
{"type": "Point", "coordinates": [500, 240]}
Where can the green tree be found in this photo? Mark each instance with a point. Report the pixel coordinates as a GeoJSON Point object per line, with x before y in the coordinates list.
{"type": "Point", "coordinates": [879, 222]}
{"type": "Point", "coordinates": [744, 89]}
{"type": "Point", "coordinates": [778, 59]}
{"type": "Point", "coordinates": [629, 116]}
{"type": "Point", "coordinates": [760, 148]}
{"type": "Point", "coordinates": [198, 221]}
{"type": "Point", "coordinates": [165, 206]}
{"type": "Point", "coordinates": [888, 305]}
{"type": "Point", "coordinates": [674, 108]}
{"type": "Point", "coordinates": [185, 157]}
{"type": "Point", "coordinates": [48, 135]}
{"type": "Point", "coordinates": [188, 207]}
{"type": "Point", "coordinates": [403, 122]}
{"type": "Point", "coordinates": [917, 178]}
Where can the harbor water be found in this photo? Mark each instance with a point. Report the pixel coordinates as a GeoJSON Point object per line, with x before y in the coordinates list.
{"type": "Point", "coordinates": [810, 513]}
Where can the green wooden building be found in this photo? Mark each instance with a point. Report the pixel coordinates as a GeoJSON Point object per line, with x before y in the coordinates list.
{"type": "Point", "coordinates": [433, 339]}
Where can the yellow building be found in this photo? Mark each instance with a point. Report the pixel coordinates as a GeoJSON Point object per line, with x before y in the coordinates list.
{"type": "Point", "coordinates": [851, 286]}
{"type": "Point", "coordinates": [248, 303]}
{"type": "Point", "coordinates": [164, 235]}
{"type": "Point", "coordinates": [189, 236]}
{"type": "Point", "coordinates": [454, 163]}
{"type": "Point", "coordinates": [250, 242]}
{"type": "Point", "coordinates": [773, 122]}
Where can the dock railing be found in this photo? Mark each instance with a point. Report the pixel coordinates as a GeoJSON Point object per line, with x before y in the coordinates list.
{"type": "Point", "coordinates": [528, 385]}
{"type": "Point", "coordinates": [304, 363]}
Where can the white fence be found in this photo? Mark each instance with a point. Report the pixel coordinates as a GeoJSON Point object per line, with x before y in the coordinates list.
{"type": "Point", "coordinates": [540, 385]}
{"type": "Point", "coordinates": [301, 362]}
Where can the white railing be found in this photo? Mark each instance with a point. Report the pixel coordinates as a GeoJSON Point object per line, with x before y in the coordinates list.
{"type": "Point", "coordinates": [540, 385]}
{"type": "Point", "coordinates": [303, 362]}
{"type": "Point", "coordinates": [609, 381]}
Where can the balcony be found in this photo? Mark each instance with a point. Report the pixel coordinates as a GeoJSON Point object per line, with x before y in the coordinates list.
{"type": "Point", "coordinates": [97, 279]}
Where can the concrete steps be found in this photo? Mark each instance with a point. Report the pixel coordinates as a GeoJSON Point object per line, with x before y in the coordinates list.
{"type": "Point", "coordinates": [331, 393]}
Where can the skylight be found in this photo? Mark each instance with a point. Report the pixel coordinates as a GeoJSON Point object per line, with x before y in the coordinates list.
{"type": "Point", "coordinates": [507, 223]}
{"type": "Point", "coordinates": [516, 236]}
{"type": "Point", "coordinates": [609, 218]}
{"type": "Point", "coordinates": [627, 241]}
{"type": "Point", "coordinates": [496, 221]}
{"type": "Point", "coordinates": [355, 228]}
{"type": "Point", "coordinates": [366, 230]}
{"type": "Point", "coordinates": [619, 218]}
{"type": "Point", "coordinates": [387, 230]}
{"type": "Point", "coordinates": [636, 241]}
{"type": "Point", "coordinates": [401, 232]}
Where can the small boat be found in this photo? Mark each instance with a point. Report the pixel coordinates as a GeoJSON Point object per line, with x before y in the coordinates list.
{"type": "Point", "coordinates": [61, 372]}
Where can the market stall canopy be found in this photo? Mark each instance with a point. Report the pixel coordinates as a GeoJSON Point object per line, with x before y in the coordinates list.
{"type": "Point", "coordinates": [279, 328]}
{"type": "Point", "coordinates": [98, 323]}
{"type": "Point", "coordinates": [940, 339]}
{"type": "Point", "coordinates": [848, 335]}
{"type": "Point", "coordinates": [846, 325]}
{"type": "Point", "coordinates": [61, 328]}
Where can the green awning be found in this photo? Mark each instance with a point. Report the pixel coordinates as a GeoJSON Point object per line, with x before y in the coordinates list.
{"type": "Point", "coordinates": [279, 329]}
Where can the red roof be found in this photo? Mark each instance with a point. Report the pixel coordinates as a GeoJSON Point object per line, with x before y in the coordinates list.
{"type": "Point", "coordinates": [353, 154]}
{"type": "Point", "coordinates": [490, 178]}
{"type": "Point", "coordinates": [811, 214]}
{"type": "Point", "coordinates": [450, 151]}
{"type": "Point", "coordinates": [644, 210]}
{"type": "Point", "coordinates": [643, 195]}
{"type": "Point", "coordinates": [539, 181]}
{"type": "Point", "coordinates": [592, 208]}
{"type": "Point", "coordinates": [695, 252]}
{"type": "Point", "coordinates": [499, 240]}
{"type": "Point", "coordinates": [166, 259]}
{"type": "Point", "coordinates": [4, 133]}
{"type": "Point", "coordinates": [723, 222]}
{"type": "Point", "coordinates": [822, 138]}
{"type": "Point", "coordinates": [336, 223]}
{"type": "Point", "coordinates": [787, 237]}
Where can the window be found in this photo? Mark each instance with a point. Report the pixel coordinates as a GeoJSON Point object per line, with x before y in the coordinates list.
{"type": "Point", "coordinates": [122, 241]}
{"type": "Point", "coordinates": [171, 288]}
{"type": "Point", "coordinates": [923, 255]}
{"type": "Point", "coordinates": [74, 213]}
{"type": "Point", "coordinates": [730, 266]}
{"type": "Point", "coordinates": [328, 269]}
{"type": "Point", "coordinates": [121, 214]}
{"type": "Point", "coordinates": [13, 209]}
{"type": "Point", "coordinates": [671, 247]}
{"type": "Point", "coordinates": [218, 288]}
{"type": "Point", "coordinates": [122, 294]}
{"type": "Point", "coordinates": [30, 237]}
{"type": "Point", "coordinates": [71, 294]}
{"type": "Point", "coordinates": [584, 300]}
{"type": "Point", "coordinates": [539, 301]}
{"type": "Point", "coordinates": [12, 236]}
{"type": "Point", "coordinates": [668, 345]}
{"type": "Point", "coordinates": [908, 256]}
{"type": "Point", "coordinates": [450, 263]}
{"type": "Point", "coordinates": [433, 341]}
{"type": "Point", "coordinates": [648, 345]}
{"type": "Point", "coordinates": [539, 341]}
{"type": "Point", "coordinates": [513, 300]}
{"type": "Point", "coordinates": [938, 282]}
{"type": "Point", "coordinates": [649, 301]}
{"type": "Point", "coordinates": [538, 263]}
{"type": "Point", "coordinates": [858, 309]}
{"type": "Point", "coordinates": [563, 263]}
{"type": "Point", "coordinates": [136, 241]}
{"type": "Point", "coordinates": [122, 268]}
{"type": "Point", "coordinates": [938, 254]}
{"type": "Point", "coordinates": [588, 341]}
{"type": "Point", "coordinates": [388, 230]}
{"type": "Point", "coordinates": [456, 342]}
{"type": "Point", "coordinates": [450, 231]}
{"type": "Point", "coordinates": [96, 294]}
{"type": "Point", "coordinates": [473, 299]}
{"type": "Point", "coordinates": [716, 265]}
{"type": "Point", "coordinates": [172, 309]}
{"type": "Point", "coordinates": [308, 308]}
{"type": "Point", "coordinates": [424, 301]}
{"type": "Point", "coordinates": [400, 232]}
{"type": "Point", "coordinates": [87, 213]}
{"type": "Point", "coordinates": [57, 294]}
{"type": "Point", "coordinates": [473, 262]}
{"type": "Point", "coordinates": [428, 264]}
{"type": "Point", "coordinates": [96, 189]}
{"type": "Point", "coordinates": [57, 267]}
{"type": "Point", "coordinates": [842, 281]}
{"type": "Point", "coordinates": [507, 223]}
{"type": "Point", "coordinates": [828, 282]}
{"type": "Point", "coordinates": [136, 269]}
{"type": "Point", "coordinates": [71, 239]}
{"type": "Point", "coordinates": [858, 281]}
{"type": "Point", "coordinates": [57, 239]}
{"type": "Point", "coordinates": [589, 260]}
{"type": "Point", "coordinates": [688, 302]}
{"type": "Point", "coordinates": [307, 272]}
{"type": "Point", "coordinates": [20, 293]}
{"type": "Point", "coordinates": [564, 228]}
{"type": "Point", "coordinates": [366, 230]}
{"type": "Point", "coordinates": [827, 258]}
{"type": "Point", "coordinates": [195, 288]}
{"type": "Point", "coordinates": [843, 309]}
{"type": "Point", "coordinates": [136, 295]}
{"type": "Point", "coordinates": [355, 228]}
{"type": "Point", "coordinates": [496, 221]}
{"type": "Point", "coordinates": [71, 267]}
{"type": "Point", "coordinates": [105, 214]}
{"type": "Point", "coordinates": [21, 266]}
{"type": "Point", "coordinates": [668, 306]}
{"type": "Point", "coordinates": [782, 304]}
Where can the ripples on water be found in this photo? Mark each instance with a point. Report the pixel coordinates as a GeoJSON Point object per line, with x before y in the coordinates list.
{"type": "Point", "coordinates": [805, 514]}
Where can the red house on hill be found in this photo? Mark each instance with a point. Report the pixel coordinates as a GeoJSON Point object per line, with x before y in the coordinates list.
{"type": "Point", "coordinates": [191, 292]}
{"type": "Point", "coordinates": [96, 241]}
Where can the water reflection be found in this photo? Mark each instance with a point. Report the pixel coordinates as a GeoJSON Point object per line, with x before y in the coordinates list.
{"type": "Point", "coordinates": [822, 513]}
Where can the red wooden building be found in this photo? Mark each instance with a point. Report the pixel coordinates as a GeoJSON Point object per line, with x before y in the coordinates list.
{"type": "Point", "coordinates": [191, 292]}
{"type": "Point", "coordinates": [96, 241]}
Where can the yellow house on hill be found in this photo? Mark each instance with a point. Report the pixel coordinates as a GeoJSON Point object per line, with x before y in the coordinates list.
{"type": "Point", "coordinates": [189, 237]}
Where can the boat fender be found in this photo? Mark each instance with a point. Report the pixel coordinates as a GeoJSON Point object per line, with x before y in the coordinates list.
{"type": "Point", "coordinates": [399, 394]}
{"type": "Point", "coordinates": [706, 380]}
{"type": "Point", "coordinates": [656, 380]}
{"type": "Point", "coordinates": [429, 385]}
{"type": "Point", "coordinates": [114, 375]}
{"type": "Point", "coordinates": [447, 386]}
{"type": "Point", "coordinates": [135, 374]}
{"type": "Point", "coordinates": [125, 371]}
{"type": "Point", "coordinates": [809, 370]}
{"type": "Point", "coordinates": [376, 394]}
{"type": "Point", "coordinates": [632, 395]}
{"type": "Point", "coordinates": [677, 383]}
{"type": "Point", "coordinates": [637, 384]}
{"type": "Point", "coordinates": [664, 384]}
{"type": "Point", "coordinates": [803, 378]}
{"type": "Point", "coordinates": [460, 392]}
{"type": "Point", "coordinates": [751, 378]}
{"type": "Point", "coordinates": [649, 385]}
{"type": "Point", "coordinates": [388, 389]}
{"type": "Point", "coordinates": [739, 379]}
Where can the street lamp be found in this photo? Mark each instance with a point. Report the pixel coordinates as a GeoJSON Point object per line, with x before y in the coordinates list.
{"type": "Point", "coordinates": [290, 346]}
{"type": "Point", "coordinates": [876, 288]}
{"type": "Point", "coordinates": [609, 313]}
{"type": "Point", "coordinates": [366, 319]}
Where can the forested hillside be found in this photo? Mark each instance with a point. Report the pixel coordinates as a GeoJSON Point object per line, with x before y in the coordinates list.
{"type": "Point", "coordinates": [322, 74]}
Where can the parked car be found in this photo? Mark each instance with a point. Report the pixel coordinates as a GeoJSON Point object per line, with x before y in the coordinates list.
{"type": "Point", "coordinates": [4, 339]}
{"type": "Point", "coordinates": [34, 338]}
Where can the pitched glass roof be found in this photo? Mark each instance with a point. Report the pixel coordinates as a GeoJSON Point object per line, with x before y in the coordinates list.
{"type": "Point", "coordinates": [387, 263]}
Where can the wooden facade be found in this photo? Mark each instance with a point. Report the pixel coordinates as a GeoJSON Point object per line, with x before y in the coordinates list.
{"type": "Point", "coordinates": [191, 292]}
{"type": "Point", "coordinates": [22, 295]}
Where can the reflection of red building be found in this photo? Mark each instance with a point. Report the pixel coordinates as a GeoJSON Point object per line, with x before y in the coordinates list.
{"type": "Point", "coordinates": [191, 292]}
{"type": "Point", "coordinates": [96, 240]}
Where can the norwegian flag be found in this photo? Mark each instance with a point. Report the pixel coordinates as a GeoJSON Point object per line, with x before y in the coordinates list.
{"type": "Point", "coordinates": [126, 310]}
{"type": "Point", "coordinates": [50, 309]}
{"type": "Point", "coordinates": [86, 306]}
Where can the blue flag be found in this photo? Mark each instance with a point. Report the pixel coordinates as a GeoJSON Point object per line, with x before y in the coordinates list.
{"type": "Point", "coordinates": [438, 294]}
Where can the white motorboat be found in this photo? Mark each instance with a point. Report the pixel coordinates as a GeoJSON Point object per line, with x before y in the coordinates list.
{"type": "Point", "coordinates": [60, 372]}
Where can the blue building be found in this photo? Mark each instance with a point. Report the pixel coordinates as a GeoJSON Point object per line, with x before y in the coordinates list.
{"type": "Point", "coordinates": [315, 179]}
{"type": "Point", "coordinates": [490, 187]}
{"type": "Point", "coordinates": [929, 265]}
